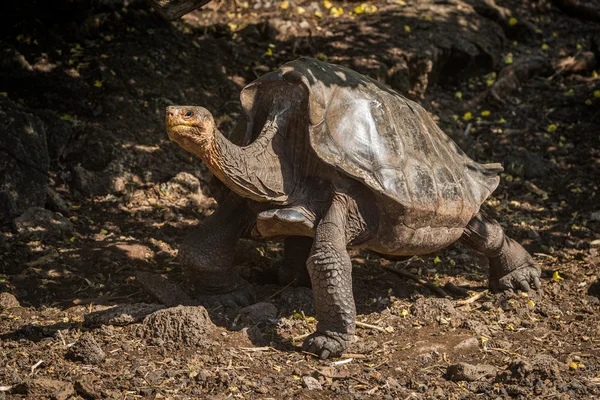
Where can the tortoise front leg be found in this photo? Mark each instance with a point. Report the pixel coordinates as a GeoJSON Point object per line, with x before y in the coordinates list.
{"type": "Point", "coordinates": [511, 266]}
{"type": "Point", "coordinates": [207, 254]}
{"type": "Point", "coordinates": [330, 272]}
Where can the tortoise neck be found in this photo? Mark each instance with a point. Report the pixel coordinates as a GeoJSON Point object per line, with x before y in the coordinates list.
{"type": "Point", "coordinates": [244, 169]}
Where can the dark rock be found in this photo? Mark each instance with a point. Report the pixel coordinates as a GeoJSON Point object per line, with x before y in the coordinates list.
{"type": "Point", "coordinates": [86, 350]}
{"type": "Point", "coordinates": [39, 223]}
{"type": "Point", "coordinates": [56, 203]}
{"type": "Point", "coordinates": [23, 161]}
{"type": "Point", "coordinates": [185, 325]}
{"type": "Point", "coordinates": [8, 301]}
{"type": "Point", "coordinates": [259, 312]}
{"type": "Point", "coordinates": [470, 373]}
{"type": "Point", "coordinates": [59, 130]}
{"type": "Point", "coordinates": [87, 182]}
{"type": "Point", "coordinates": [124, 314]}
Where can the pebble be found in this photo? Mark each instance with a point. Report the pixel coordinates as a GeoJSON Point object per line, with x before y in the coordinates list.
{"type": "Point", "coordinates": [8, 301]}
{"type": "Point", "coordinates": [311, 383]}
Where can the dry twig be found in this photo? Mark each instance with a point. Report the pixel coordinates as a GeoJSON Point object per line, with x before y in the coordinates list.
{"type": "Point", "coordinates": [473, 298]}
{"type": "Point", "coordinates": [369, 326]}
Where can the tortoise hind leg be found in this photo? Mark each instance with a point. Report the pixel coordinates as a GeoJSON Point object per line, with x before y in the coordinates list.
{"type": "Point", "coordinates": [511, 266]}
{"type": "Point", "coordinates": [207, 254]}
{"type": "Point", "coordinates": [292, 269]}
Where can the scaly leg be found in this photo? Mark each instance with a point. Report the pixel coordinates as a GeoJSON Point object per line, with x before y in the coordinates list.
{"type": "Point", "coordinates": [330, 272]}
{"type": "Point", "coordinates": [207, 253]}
{"type": "Point", "coordinates": [511, 266]}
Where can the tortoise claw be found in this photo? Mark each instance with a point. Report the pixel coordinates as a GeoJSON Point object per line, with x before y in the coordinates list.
{"type": "Point", "coordinates": [522, 278]}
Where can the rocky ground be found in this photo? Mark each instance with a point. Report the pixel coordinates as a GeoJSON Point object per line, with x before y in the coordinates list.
{"type": "Point", "coordinates": [89, 276]}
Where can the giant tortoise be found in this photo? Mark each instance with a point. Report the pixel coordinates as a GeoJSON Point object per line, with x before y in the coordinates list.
{"type": "Point", "coordinates": [330, 159]}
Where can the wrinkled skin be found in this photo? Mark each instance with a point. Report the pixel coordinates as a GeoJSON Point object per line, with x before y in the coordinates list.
{"type": "Point", "coordinates": [295, 177]}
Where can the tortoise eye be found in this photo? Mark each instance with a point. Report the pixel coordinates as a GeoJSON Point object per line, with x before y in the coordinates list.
{"type": "Point", "coordinates": [189, 114]}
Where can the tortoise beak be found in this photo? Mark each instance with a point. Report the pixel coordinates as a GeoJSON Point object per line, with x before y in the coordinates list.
{"type": "Point", "coordinates": [171, 115]}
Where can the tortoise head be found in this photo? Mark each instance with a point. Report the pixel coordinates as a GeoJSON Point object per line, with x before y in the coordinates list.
{"type": "Point", "coordinates": [189, 126]}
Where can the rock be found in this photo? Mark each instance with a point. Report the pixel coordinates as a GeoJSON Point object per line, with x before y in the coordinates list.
{"type": "Point", "coordinates": [124, 314]}
{"type": "Point", "coordinates": [470, 373]}
{"type": "Point", "coordinates": [86, 350]}
{"type": "Point", "coordinates": [311, 383]}
{"type": "Point", "coordinates": [56, 203]}
{"type": "Point", "coordinates": [595, 216]}
{"type": "Point", "coordinates": [435, 310]}
{"type": "Point", "coordinates": [45, 388]}
{"type": "Point", "coordinates": [527, 372]}
{"type": "Point", "coordinates": [84, 386]}
{"type": "Point", "coordinates": [8, 301]}
{"type": "Point", "coordinates": [24, 160]}
{"type": "Point", "coordinates": [187, 325]}
{"type": "Point", "coordinates": [186, 187]}
{"type": "Point", "coordinates": [86, 181]}
{"type": "Point", "coordinates": [39, 223]}
{"type": "Point", "coordinates": [300, 298]}
{"type": "Point", "coordinates": [467, 344]}
{"type": "Point", "coordinates": [259, 312]}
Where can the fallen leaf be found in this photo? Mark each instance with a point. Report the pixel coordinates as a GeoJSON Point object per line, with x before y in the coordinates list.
{"type": "Point", "coordinates": [556, 276]}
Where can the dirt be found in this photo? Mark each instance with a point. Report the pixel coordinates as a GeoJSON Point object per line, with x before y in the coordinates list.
{"type": "Point", "coordinates": [512, 82]}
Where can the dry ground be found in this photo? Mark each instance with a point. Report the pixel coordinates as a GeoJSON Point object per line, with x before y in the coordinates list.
{"type": "Point", "coordinates": [498, 79]}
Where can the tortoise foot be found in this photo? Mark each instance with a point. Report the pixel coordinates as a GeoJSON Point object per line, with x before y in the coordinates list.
{"type": "Point", "coordinates": [327, 344]}
{"type": "Point", "coordinates": [521, 278]}
{"type": "Point", "coordinates": [240, 296]}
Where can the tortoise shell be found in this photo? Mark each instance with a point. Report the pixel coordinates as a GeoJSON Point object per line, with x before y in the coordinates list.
{"type": "Point", "coordinates": [378, 137]}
